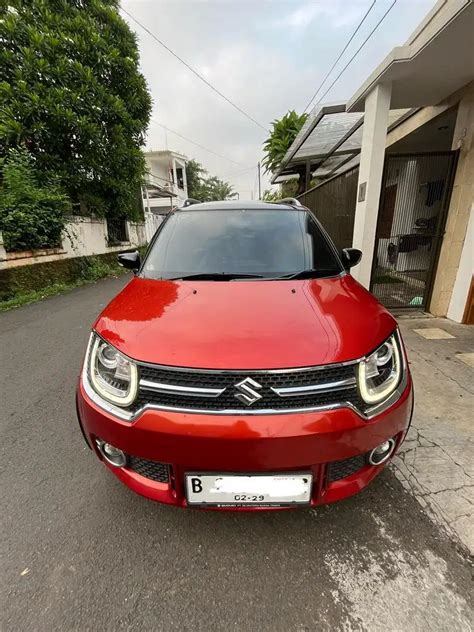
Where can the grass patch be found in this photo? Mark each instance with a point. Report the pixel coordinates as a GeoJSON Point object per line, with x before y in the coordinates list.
{"type": "Point", "coordinates": [33, 296]}
{"type": "Point", "coordinates": [29, 284]}
{"type": "Point", "coordinates": [37, 295]}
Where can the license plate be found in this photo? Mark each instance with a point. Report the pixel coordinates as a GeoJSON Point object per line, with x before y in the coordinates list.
{"type": "Point", "coordinates": [243, 489]}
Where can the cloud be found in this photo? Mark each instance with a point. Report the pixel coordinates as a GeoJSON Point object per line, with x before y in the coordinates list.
{"type": "Point", "coordinates": [237, 46]}
{"type": "Point", "coordinates": [335, 14]}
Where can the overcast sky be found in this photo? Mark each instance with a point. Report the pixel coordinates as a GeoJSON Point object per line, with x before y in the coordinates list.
{"type": "Point", "coordinates": [268, 56]}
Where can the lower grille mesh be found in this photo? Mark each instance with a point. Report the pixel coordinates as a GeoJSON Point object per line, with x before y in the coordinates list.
{"type": "Point", "coordinates": [159, 472]}
{"type": "Point", "coordinates": [342, 469]}
{"type": "Point", "coordinates": [153, 470]}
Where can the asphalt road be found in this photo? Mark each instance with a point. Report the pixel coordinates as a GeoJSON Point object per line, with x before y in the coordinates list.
{"type": "Point", "coordinates": [81, 552]}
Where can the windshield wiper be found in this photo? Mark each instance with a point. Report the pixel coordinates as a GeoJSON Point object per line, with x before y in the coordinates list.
{"type": "Point", "coordinates": [309, 274]}
{"type": "Point", "coordinates": [216, 276]}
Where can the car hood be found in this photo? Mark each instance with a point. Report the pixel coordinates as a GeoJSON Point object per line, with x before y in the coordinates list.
{"type": "Point", "coordinates": [245, 324]}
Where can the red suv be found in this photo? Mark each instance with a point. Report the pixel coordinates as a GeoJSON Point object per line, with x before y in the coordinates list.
{"type": "Point", "coordinates": [243, 366]}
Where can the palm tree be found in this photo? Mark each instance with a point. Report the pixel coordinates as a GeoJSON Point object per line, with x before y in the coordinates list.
{"type": "Point", "coordinates": [215, 189]}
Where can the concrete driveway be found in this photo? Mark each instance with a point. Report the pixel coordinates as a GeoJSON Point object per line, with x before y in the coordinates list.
{"type": "Point", "coordinates": [436, 460]}
{"type": "Point", "coordinates": [81, 552]}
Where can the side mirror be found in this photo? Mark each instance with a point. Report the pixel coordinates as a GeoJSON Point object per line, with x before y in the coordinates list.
{"type": "Point", "coordinates": [351, 257]}
{"type": "Point", "coordinates": [129, 260]}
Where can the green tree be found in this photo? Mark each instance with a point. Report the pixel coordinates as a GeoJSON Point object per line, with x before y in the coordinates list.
{"type": "Point", "coordinates": [286, 189]}
{"type": "Point", "coordinates": [215, 189]}
{"type": "Point", "coordinates": [32, 211]}
{"type": "Point", "coordinates": [194, 176]}
{"type": "Point", "coordinates": [204, 187]}
{"type": "Point", "coordinates": [282, 135]}
{"type": "Point", "coordinates": [71, 93]}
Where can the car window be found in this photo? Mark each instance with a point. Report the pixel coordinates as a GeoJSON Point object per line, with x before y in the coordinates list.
{"type": "Point", "coordinates": [257, 242]}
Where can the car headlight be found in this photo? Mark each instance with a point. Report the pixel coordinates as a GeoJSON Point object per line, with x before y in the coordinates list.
{"type": "Point", "coordinates": [380, 373]}
{"type": "Point", "coordinates": [112, 375]}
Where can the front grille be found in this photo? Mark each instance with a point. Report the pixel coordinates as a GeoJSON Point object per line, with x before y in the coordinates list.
{"type": "Point", "coordinates": [341, 469]}
{"type": "Point", "coordinates": [229, 379]}
{"type": "Point", "coordinates": [153, 470]}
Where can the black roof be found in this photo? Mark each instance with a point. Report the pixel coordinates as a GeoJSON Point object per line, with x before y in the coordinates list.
{"type": "Point", "coordinates": [239, 205]}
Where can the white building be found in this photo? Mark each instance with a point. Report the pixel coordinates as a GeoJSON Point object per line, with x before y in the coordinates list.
{"type": "Point", "coordinates": [395, 166]}
{"type": "Point", "coordinates": [166, 185]}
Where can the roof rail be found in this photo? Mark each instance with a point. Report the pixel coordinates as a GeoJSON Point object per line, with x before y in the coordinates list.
{"type": "Point", "coordinates": [291, 201]}
{"type": "Point", "coordinates": [190, 202]}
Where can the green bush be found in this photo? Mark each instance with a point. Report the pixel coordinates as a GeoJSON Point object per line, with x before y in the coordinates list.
{"type": "Point", "coordinates": [32, 214]}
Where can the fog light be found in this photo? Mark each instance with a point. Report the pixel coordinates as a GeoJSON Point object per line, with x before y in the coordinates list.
{"type": "Point", "coordinates": [113, 455]}
{"type": "Point", "coordinates": [382, 452]}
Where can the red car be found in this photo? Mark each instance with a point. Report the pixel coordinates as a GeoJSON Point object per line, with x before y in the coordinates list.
{"type": "Point", "coordinates": [243, 366]}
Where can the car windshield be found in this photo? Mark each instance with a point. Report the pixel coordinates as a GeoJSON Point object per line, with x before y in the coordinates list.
{"type": "Point", "coordinates": [232, 244]}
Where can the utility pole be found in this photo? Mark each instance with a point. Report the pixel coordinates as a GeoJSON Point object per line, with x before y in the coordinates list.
{"type": "Point", "coordinates": [259, 183]}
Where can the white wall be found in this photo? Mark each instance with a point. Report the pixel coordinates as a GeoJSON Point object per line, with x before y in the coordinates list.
{"type": "Point", "coordinates": [82, 237]}
{"type": "Point", "coordinates": [464, 275]}
{"type": "Point", "coordinates": [460, 208]}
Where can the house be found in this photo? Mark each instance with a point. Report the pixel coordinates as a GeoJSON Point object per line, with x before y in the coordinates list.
{"type": "Point", "coordinates": [165, 182]}
{"type": "Point", "coordinates": [395, 168]}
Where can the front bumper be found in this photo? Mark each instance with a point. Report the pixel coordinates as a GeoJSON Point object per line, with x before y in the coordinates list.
{"type": "Point", "coordinates": [264, 443]}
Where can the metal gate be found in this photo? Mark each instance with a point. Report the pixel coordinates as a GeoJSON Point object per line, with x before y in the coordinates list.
{"type": "Point", "coordinates": [415, 197]}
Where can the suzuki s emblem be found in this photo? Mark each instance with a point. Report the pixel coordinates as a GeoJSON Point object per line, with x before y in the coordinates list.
{"type": "Point", "coordinates": [248, 395]}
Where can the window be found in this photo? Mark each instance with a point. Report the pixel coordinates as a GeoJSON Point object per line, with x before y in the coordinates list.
{"type": "Point", "coordinates": [268, 243]}
{"type": "Point", "coordinates": [180, 177]}
{"type": "Point", "coordinates": [116, 230]}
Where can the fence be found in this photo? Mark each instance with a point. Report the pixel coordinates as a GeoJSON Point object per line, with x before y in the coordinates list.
{"type": "Point", "coordinates": [334, 203]}
{"type": "Point", "coordinates": [152, 222]}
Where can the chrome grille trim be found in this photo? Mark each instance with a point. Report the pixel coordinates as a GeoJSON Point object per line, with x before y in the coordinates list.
{"type": "Point", "coordinates": [194, 391]}
{"type": "Point", "coordinates": [293, 391]}
{"type": "Point", "coordinates": [190, 391]}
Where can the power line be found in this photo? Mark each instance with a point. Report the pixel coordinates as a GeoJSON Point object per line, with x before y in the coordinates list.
{"type": "Point", "coordinates": [340, 55]}
{"type": "Point", "coordinates": [360, 48]}
{"type": "Point", "coordinates": [195, 72]}
{"type": "Point", "coordinates": [168, 129]}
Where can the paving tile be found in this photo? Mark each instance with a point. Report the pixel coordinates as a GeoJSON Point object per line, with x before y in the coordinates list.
{"type": "Point", "coordinates": [435, 471]}
{"type": "Point", "coordinates": [433, 333]}
{"type": "Point", "coordinates": [467, 358]}
{"type": "Point", "coordinates": [453, 504]}
{"type": "Point", "coordinates": [436, 463]}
